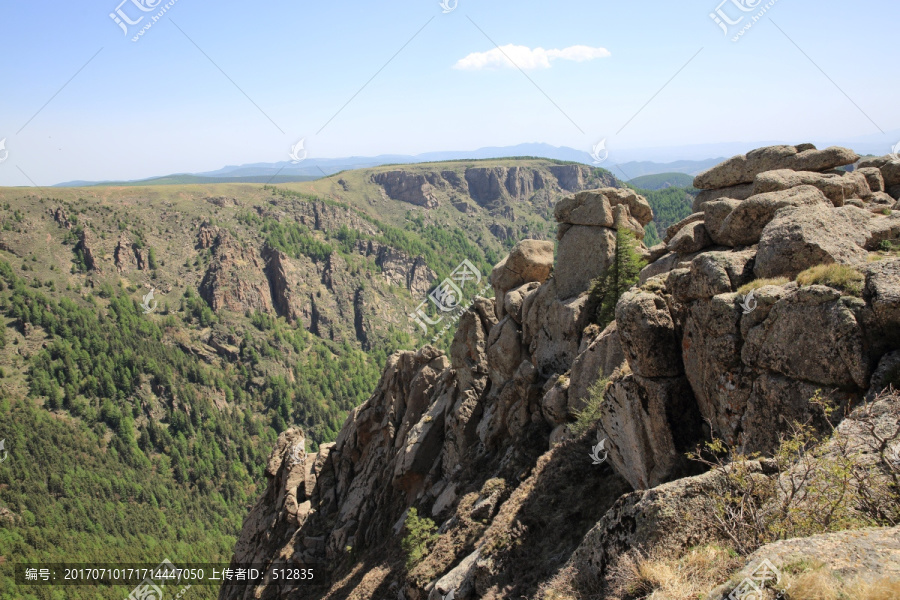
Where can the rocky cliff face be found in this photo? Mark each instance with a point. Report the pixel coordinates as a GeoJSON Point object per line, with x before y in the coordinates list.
{"type": "Point", "coordinates": [483, 441]}
{"type": "Point", "coordinates": [407, 187]}
{"type": "Point", "coordinates": [490, 187]}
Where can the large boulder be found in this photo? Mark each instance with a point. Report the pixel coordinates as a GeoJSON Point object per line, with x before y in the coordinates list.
{"type": "Point", "coordinates": [888, 165]}
{"type": "Point", "coordinates": [602, 356]}
{"type": "Point", "coordinates": [711, 274]}
{"type": "Point", "coordinates": [737, 192]}
{"type": "Point", "coordinates": [800, 238]}
{"type": "Point", "coordinates": [821, 322]}
{"type": "Point", "coordinates": [585, 208]}
{"type": "Point", "coordinates": [743, 169]}
{"type": "Point", "coordinates": [673, 230]}
{"type": "Point", "coordinates": [650, 425]}
{"type": "Point", "coordinates": [744, 225]}
{"type": "Point", "coordinates": [528, 261]}
{"type": "Point", "coordinates": [584, 254]}
{"type": "Point", "coordinates": [716, 211]}
{"type": "Point", "coordinates": [882, 293]}
{"type": "Point", "coordinates": [595, 207]}
{"type": "Point", "coordinates": [712, 359]}
{"type": "Point", "coordinates": [869, 555]}
{"type": "Point", "coordinates": [647, 333]}
{"type": "Point", "coordinates": [693, 237]}
{"type": "Point", "coordinates": [668, 518]}
{"type": "Point", "coordinates": [552, 328]}
{"type": "Point", "coordinates": [837, 187]}
{"type": "Point", "coordinates": [504, 351]}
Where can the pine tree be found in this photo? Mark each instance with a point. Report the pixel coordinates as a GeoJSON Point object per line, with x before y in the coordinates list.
{"type": "Point", "coordinates": [622, 273]}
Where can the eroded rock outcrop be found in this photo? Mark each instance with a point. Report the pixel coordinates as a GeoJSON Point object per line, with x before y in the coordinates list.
{"type": "Point", "coordinates": [407, 187]}
{"type": "Point", "coordinates": [485, 439]}
{"type": "Point", "coordinates": [234, 279]}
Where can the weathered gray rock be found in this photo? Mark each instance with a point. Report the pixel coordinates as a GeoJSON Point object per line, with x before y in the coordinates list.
{"type": "Point", "coordinates": [528, 261]}
{"type": "Point", "coordinates": [837, 187]}
{"type": "Point", "coordinates": [886, 374]}
{"type": "Point", "coordinates": [624, 220]}
{"type": "Point", "coordinates": [504, 351]}
{"type": "Point", "coordinates": [602, 356]}
{"type": "Point", "coordinates": [637, 205]}
{"type": "Point", "coordinates": [595, 207]}
{"type": "Point", "coordinates": [882, 293]}
{"type": "Point", "coordinates": [744, 225]}
{"type": "Point", "coordinates": [821, 322]}
{"type": "Point", "coordinates": [664, 265]}
{"type": "Point", "coordinates": [647, 334]}
{"type": "Point", "coordinates": [554, 404]}
{"type": "Point", "coordinates": [711, 274]}
{"type": "Point", "coordinates": [712, 359]}
{"type": "Point", "coordinates": [890, 172]}
{"type": "Point", "coordinates": [799, 238]}
{"type": "Point", "coordinates": [871, 555]}
{"type": "Point", "coordinates": [873, 177]}
{"type": "Point", "coordinates": [457, 583]}
{"type": "Point", "coordinates": [674, 229]}
{"type": "Point", "coordinates": [716, 211]}
{"type": "Point", "coordinates": [650, 425]}
{"type": "Point", "coordinates": [584, 253]}
{"type": "Point", "coordinates": [512, 303]}
{"type": "Point", "coordinates": [552, 328]}
{"type": "Point", "coordinates": [693, 237]}
{"type": "Point", "coordinates": [468, 351]}
{"type": "Point", "coordinates": [656, 518]}
{"type": "Point", "coordinates": [738, 192]}
{"type": "Point", "coordinates": [743, 169]}
{"type": "Point", "coordinates": [585, 208]}
{"type": "Point", "coordinates": [657, 252]}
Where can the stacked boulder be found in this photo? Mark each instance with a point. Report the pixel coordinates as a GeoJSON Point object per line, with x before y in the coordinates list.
{"type": "Point", "coordinates": [794, 203]}
{"type": "Point", "coordinates": [753, 365]}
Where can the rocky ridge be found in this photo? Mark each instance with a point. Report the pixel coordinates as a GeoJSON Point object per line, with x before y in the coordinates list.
{"type": "Point", "coordinates": [482, 439]}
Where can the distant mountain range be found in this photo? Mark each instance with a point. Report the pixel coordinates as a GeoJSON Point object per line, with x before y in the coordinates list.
{"type": "Point", "coordinates": [625, 164]}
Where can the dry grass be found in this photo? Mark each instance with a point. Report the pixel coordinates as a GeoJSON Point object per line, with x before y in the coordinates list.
{"type": "Point", "coordinates": [658, 577]}
{"type": "Point", "coordinates": [837, 276]}
{"type": "Point", "coordinates": [755, 285]}
{"type": "Point", "coordinates": [820, 584]}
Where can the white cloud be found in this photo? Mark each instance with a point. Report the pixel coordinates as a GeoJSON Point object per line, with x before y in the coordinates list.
{"type": "Point", "coordinates": [526, 58]}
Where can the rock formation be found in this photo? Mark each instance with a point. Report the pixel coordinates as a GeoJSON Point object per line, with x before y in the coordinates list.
{"type": "Point", "coordinates": [484, 440]}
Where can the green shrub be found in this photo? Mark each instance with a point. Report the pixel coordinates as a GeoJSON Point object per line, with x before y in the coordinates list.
{"type": "Point", "coordinates": [420, 532]}
{"type": "Point", "coordinates": [810, 485]}
{"type": "Point", "coordinates": [590, 414]}
{"type": "Point", "coordinates": [623, 273]}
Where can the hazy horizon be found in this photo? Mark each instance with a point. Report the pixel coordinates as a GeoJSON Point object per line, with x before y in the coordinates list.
{"type": "Point", "coordinates": [205, 88]}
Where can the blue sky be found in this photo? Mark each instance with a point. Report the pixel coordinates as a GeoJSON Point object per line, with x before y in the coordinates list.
{"type": "Point", "coordinates": [159, 105]}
